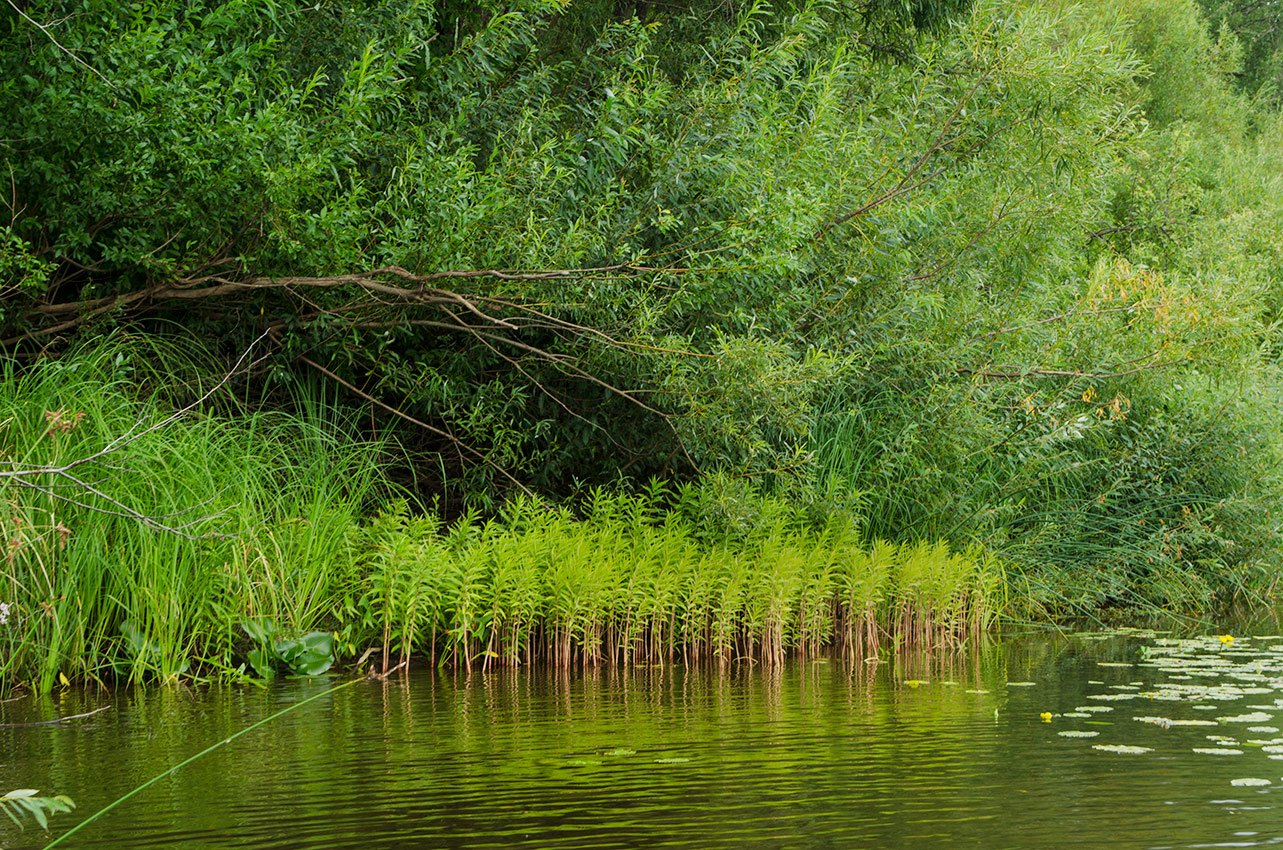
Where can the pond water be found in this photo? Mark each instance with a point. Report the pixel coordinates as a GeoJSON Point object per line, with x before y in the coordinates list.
{"type": "Point", "coordinates": [1121, 740]}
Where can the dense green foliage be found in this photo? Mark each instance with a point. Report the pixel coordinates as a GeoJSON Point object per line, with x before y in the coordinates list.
{"type": "Point", "coordinates": [260, 506]}
{"type": "Point", "coordinates": [634, 583]}
{"type": "Point", "coordinates": [268, 548]}
{"type": "Point", "coordinates": [1002, 273]}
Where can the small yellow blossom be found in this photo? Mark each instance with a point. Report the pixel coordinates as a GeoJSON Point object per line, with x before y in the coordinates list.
{"type": "Point", "coordinates": [1227, 639]}
{"type": "Point", "coordinates": [1046, 716]}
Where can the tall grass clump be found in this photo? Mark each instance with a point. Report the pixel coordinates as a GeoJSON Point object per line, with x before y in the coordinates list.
{"type": "Point", "coordinates": [242, 519]}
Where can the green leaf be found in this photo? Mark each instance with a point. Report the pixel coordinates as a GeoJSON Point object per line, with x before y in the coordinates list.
{"type": "Point", "coordinates": [263, 663]}
{"type": "Point", "coordinates": [321, 642]}
{"type": "Point", "coordinates": [260, 630]}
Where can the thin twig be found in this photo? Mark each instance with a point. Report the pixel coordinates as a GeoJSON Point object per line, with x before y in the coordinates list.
{"type": "Point", "coordinates": [1014, 372]}
{"type": "Point", "coordinates": [55, 721]}
{"type": "Point", "coordinates": [74, 57]}
{"type": "Point", "coordinates": [424, 425]}
{"type": "Point", "coordinates": [20, 475]}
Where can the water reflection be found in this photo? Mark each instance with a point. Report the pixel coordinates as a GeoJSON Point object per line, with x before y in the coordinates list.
{"type": "Point", "coordinates": [916, 751]}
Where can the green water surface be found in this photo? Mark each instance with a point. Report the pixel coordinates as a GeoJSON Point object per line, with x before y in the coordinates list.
{"type": "Point", "coordinates": [923, 751]}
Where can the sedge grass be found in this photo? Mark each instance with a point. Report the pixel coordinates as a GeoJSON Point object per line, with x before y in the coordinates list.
{"type": "Point", "coordinates": [263, 502]}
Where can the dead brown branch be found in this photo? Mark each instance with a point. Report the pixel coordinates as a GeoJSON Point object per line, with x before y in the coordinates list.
{"type": "Point", "coordinates": [1014, 372]}
{"type": "Point", "coordinates": [392, 297]}
{"type": "Point", "coordinates": [55, 721]}
{"type": "Point", "coordinates": [392, 282]}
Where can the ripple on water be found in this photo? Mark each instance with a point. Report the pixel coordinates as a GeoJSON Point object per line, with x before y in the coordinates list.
{"type": "Point", "coordinates": [805, 755]}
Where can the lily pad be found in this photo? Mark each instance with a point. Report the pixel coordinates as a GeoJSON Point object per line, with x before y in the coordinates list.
{"type": "Point", "coordinates": [1126, 749]}
{"type": "Point", "coordinates": [1218, 751]}
{"type": "Point", "coordinates": [1167, 721]}
{"type": "Point", "coordinates": [1077, 733]}
{"type": "Point", "coordinates": [1249, 781]}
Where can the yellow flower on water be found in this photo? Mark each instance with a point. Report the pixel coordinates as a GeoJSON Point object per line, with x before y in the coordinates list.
{"type": "Point", "coordinates": [1226, 639]}
{"type": "Point", "coordinates": [1046, 716]}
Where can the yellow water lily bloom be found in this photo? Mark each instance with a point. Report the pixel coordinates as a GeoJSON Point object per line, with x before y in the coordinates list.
{"type": "Point", "coordinates": [1226, 639]}
{"type": "Point", "coordinates": [1046, 716]}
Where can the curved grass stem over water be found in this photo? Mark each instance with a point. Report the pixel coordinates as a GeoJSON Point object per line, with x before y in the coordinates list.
{"type": "Point", "coordinates": [150, 782]}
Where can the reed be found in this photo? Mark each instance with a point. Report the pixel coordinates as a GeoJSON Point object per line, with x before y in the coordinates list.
{"type": "Point", "coordinates": [624, 587]}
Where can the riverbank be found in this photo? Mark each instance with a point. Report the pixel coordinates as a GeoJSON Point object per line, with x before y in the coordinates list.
{"type": "Point", "coordinates": [165, 534]}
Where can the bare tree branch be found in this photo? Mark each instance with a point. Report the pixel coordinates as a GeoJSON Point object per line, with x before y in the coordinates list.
{"type": "Point", "coordinates": [412, 420]}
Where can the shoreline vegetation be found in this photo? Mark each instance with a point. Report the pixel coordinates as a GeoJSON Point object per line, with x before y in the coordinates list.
{"type": "Point", "coordinates": [572, 332]}
{"type": "Point", "coordinates": [271, 566]}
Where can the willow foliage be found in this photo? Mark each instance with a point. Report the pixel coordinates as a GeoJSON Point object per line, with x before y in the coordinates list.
{"type": "Point", "coordinates": [985, 272]}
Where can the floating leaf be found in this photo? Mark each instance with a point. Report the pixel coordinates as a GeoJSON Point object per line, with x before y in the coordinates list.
{"type": "Point", "coordinates": [1077, 733]}
{"type": "Point", "coordinates": [1127, 749]}
{"type": "Point", "coordinates": [1167, 721]}
{"type": "Point", "coordinates": [1249, 781]}
{"type": "Point", "coordinates": [1218, 751]}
